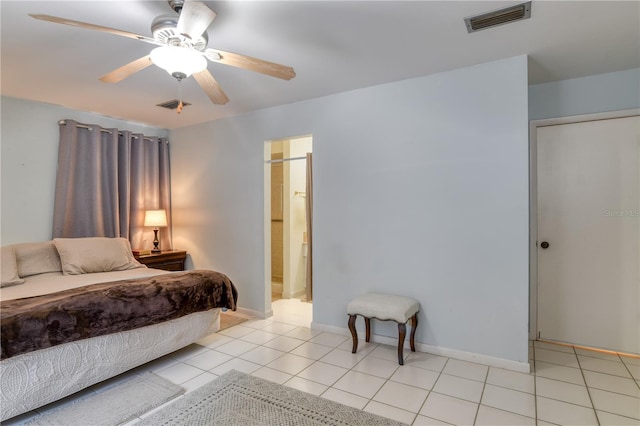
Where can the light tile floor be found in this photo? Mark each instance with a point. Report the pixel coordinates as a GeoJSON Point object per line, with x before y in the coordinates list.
{"type": "Point", "coordinates": [569, 386]}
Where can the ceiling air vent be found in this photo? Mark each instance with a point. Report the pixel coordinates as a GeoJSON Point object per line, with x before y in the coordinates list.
{"type": "Point", "coordinates": [173, 104]}
{"type": "Point", "coordinates": [498, 17]}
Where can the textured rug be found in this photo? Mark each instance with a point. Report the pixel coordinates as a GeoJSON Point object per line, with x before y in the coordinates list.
{"type": "Point", "coordinates": [114, 404]}
{"type": "Point", "coordinates": [237, 399]}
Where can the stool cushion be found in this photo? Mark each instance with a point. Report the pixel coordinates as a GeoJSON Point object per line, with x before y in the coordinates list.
{"type": "Point", "coordinates": [384, 307]}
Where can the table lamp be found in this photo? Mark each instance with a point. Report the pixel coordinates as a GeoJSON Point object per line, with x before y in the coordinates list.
{"type": "Point", "coordinates": [155, 218]}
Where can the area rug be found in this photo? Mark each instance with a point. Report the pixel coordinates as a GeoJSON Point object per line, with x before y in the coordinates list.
{"type": "Point", "coordinates": [238, 399]}
{"type": "Point", "coordinates": [114, 404]}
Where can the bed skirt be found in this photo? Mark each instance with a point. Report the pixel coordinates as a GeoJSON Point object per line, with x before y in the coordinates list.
{"type": "Point", "coordinates": [38, 378]}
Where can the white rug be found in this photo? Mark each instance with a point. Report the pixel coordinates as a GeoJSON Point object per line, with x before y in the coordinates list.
{"type": "Point", "coordinates": [114, 404]}
{"type": "Point", "coordinates": [237, 399]}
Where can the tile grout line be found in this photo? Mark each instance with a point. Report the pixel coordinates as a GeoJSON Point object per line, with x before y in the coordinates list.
{"type": "Point", "coordinates": [387, 380]}
{"type": "Point", "coordinates": [328, 386]}
{"type": "Point", "coordinates": [587, 387]}
{"type": "Point", "coordinates": [315, 361]}
{"type": "Point", "coordinates": [535, 384]}
{"type": "Point", "coordinates": [378, 391]}
{"type": "Point", "coordinates": [431, 390]}
{"type": "Point", "coordinates": [351, 369]}
{"type": "Point", "coordinates": [574, 384]}
{"type": "Point", "coordinates": [628, 370]}
{"type": "Point", "coordinates": [484, 386]}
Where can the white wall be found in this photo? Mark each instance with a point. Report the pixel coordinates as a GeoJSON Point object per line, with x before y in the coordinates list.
{"type": "Point", "coordinates": [420, 188]}
{"type": "Point", "coordinates": [29, 135]}
{"type": "Point", "coordinates": [614, 91]}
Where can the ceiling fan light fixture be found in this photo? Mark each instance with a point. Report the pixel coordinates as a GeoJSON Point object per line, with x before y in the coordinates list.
{"type": "Point", "coordinates": [179, 62]}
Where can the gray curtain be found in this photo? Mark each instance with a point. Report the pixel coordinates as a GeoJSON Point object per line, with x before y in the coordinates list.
{"type": "Point", "coordinates": [309, 209]}
{"type": "Point", "coordinates": [106, 180]}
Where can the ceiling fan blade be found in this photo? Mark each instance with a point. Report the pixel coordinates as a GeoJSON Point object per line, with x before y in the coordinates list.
{"type": "Point", "coordinates": [211, 87]}
{"type": "Point", "coordinates": [253, 64]}
{"type": "Point", "coordinates": [195, 18]}
{"type": "Point", "coordinates": [79, 24]}
{"type": "Point", "coordinates": [127, 70]}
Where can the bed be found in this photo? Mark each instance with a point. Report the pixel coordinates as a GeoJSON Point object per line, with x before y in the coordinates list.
{"type": "Point", "coordinates": [75, 312]}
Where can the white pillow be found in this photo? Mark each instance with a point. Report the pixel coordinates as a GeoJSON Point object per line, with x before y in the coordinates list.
{"type": "Point", "coordinates": [95, 254]}
{"type": "Point", "coordinates": [9, 267]}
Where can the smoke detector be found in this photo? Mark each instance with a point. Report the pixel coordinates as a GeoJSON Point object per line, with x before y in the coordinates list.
{"type": "Point", "coordinates": [498, 17]}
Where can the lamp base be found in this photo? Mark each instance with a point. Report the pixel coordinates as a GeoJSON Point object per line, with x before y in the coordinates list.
{"type": "Point", "coordinates": [156, 242]}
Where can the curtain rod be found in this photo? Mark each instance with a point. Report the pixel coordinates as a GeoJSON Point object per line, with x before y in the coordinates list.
{"type": "Point", "coordinates": [282, 160]}
{"type": "Point", "coordinates": [84, 126]}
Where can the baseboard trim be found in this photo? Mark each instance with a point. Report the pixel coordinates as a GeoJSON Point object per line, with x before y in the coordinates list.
{"type": "Point", "coordinates": [507, 364]}
{"type": "Point", "coordinates": [277, 288]}
{"type": "Point", "coordinates": [258, 314]}
{"type": "Point", "coordinates": [296, 295]}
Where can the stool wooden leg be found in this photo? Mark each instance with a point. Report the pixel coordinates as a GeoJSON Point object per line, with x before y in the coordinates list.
{"type": "Point", "coordinates": [367, 323]}
{"type": "Point", "coordinates": [354, 335]}
{"type": "Point", "coordinates": [402, 330]}
{"type": "Point", "coordinates": [414, 325]}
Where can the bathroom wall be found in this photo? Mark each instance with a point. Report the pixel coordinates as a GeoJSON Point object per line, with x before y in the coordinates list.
{"type": "Point", "coordinates": [277, 219]}
{"type": "Point", "coordinates": [295, 173]}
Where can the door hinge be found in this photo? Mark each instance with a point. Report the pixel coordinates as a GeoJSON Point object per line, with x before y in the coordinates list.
{"type": "Point", "coordinates": [538, 335]}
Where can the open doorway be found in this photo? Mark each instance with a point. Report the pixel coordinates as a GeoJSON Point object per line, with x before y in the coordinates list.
{"type": "Point", "coordinates": [287, 257]}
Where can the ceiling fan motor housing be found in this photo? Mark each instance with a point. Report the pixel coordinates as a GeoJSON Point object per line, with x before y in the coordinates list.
{"type": "Point", "coordinates": [176, 5]}
{"type": "Point", "coordinates": [164, 30]}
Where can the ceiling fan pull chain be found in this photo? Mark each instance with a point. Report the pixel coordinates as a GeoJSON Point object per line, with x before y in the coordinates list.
{"type": "Point", "coordinates": [180, 104]}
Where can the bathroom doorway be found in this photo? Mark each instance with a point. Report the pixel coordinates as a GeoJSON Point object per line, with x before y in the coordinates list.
{"type": "Point", "coordinates": [288, 245]}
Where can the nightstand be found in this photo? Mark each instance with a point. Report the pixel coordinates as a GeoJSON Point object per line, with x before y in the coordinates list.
{"type": "Point", "coordinates": [169, 260]}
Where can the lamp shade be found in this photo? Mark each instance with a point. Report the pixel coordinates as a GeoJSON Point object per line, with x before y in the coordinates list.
{"type": "Point", "coordinates": [155, 218]}
{"type": "Point", "coordinates": [178, 60]}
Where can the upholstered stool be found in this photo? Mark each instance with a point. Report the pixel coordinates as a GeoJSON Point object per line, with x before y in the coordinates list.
{"type": "Point", "coordinates": [385, 307]}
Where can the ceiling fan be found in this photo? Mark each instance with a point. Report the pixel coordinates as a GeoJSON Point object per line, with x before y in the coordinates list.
{"type": "Point", "coordinates": [182, 49]}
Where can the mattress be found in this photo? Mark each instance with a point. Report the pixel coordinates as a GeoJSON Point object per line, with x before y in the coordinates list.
{"type": "Point", "coordinates": [37, 285]}
{"type": "Point", "coordinates": [38, 378]}
{"type": "Point", "coordinates": [34, 379]}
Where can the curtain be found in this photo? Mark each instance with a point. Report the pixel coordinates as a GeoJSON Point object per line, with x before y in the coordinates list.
{"type": "Point", "coordinates": [106, 180]}
{"type": "Point", "coordinates": [309, 209]}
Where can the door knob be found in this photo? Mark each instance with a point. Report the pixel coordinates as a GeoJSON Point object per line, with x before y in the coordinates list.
{"type": "Point", "coordinates": [544, 245]}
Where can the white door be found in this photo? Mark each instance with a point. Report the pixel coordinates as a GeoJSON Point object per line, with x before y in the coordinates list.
{"type": "Point", "coordinates": [588, 213]}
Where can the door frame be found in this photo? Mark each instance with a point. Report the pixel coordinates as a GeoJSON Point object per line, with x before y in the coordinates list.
{"type": "Point", "coordinates": [267, 214]}
{"type": "Point", "coordinates": [533, 197]}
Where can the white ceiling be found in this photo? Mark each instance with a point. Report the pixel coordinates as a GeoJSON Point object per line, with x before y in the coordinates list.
{"type": "Point", "coordinates": [334, 46]}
